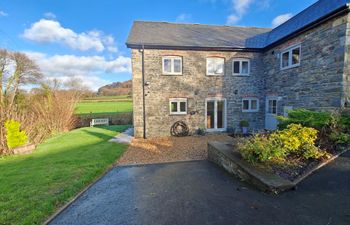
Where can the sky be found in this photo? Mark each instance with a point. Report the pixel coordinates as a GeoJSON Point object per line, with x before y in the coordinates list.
{"type": "Point", "coordinates": [85, 39]}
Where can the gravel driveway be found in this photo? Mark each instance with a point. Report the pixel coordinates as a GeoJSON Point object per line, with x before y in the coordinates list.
{"type": "Point", "coordinates": [169, 149]}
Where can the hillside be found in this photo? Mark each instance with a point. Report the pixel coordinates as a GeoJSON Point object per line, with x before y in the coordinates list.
{"type": "Point", "coordinates": [116, 88]}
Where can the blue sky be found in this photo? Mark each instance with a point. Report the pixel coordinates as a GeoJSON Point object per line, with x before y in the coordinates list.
{"type": "Point", "coordinates": [84, 39]}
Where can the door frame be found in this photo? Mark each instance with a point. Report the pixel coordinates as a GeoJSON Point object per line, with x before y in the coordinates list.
{"type": "Point", "coordinates": [276, 98]}
{"type": "Point", "coordinates": [215, 99]}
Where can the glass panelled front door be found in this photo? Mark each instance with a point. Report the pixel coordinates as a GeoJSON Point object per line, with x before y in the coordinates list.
{"type": "Point", "coordinates": [216, 114]}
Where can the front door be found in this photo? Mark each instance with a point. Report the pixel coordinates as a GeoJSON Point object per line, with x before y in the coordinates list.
{"type": "Point", "coordinates": [215, 114]}
{"type": "Point", "coordinates": [271, 113]}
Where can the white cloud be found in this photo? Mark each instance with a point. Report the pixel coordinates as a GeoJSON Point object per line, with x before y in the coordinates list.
{"type": "Point", "coordinates": [50, 15]}
{"type": "Point", "coordinates": [232, 19]}
{"type": "Point", "coordinates": [240, 8]}
{"type": "Point", "coordinates": [51, 31]}
{"type": "Point", "coordinates": [281, 19]}
{"type": "Point", "coordinates": [2, 13]}
{"type": "Point", "coordinates": [183, 17]}
{"type": "Point", "coordinates": [88, 68]}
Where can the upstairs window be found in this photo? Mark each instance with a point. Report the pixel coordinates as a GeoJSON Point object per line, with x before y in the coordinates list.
{"type": "Point", "coordinates": [215, 66]}
{"type": "Point", "coordinates": [291, 57]}
{"type": "Point", "coordinates": [178, 106]}
{"type": "Point", "coordinates": [172, 65]}
{"type": "Point", "coordinates": [241, 67]}
{"type": "Point", "coordinates": [250, 105]}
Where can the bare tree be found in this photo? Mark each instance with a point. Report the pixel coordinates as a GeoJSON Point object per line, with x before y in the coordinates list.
{"type": "Point", "coordinates": [16, 70]}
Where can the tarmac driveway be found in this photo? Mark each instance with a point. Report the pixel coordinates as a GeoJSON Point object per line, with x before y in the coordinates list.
{"type": "Point", "coordinates": [198, 192]}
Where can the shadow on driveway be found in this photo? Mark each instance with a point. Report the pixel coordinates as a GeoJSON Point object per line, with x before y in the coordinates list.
{"type": "Point", "coordinates": [200, 193]}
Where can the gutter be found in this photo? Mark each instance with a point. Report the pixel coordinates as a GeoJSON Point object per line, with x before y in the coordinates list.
{"type": "Point", "coordinates": [194, 48]}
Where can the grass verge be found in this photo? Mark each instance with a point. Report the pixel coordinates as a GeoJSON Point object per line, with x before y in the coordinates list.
{"type": "Point", "coordinates": [34, 186]}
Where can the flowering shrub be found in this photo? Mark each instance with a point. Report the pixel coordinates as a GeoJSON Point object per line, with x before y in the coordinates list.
{"type": "Point", "coordinates": [294, 140]}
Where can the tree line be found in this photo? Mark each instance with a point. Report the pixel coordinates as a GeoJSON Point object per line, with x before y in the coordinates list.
{"type": "Point", "coordinates": [46, 109]}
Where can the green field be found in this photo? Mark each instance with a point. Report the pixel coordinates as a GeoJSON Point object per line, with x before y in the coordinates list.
{"type": "Point", "coordinates": [34, 186]}
{"type": "Point", "coordinates": [104, 105]}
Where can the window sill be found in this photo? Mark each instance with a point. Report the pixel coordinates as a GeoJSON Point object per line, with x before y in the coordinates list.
{"type": "Point", "coordinates": [178, 114]}
{"type": "Point", "coordinates": [290, 67]}
{"type": "Point", "coordinates": [250, 111]}
{"type": "Point", "coordinates": [172, 74]}
{"type": "Point", "coordinates": [214, 75]}
{"type": "Point", "coordinates": [241, 75]}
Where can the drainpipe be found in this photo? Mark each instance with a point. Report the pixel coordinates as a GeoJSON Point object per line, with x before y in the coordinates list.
{"type": "Point", "coordinates": [143, 92]}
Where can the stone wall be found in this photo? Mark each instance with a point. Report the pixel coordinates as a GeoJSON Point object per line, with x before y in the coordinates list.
{"type": "Point", "coordinates": [318, 82]}
{"type": "Point", "coordinates": [346, 75]}
{"type": "Point", "coordinates": [196, 86]}
{"type": "Point", "coordinates": [321, 82]}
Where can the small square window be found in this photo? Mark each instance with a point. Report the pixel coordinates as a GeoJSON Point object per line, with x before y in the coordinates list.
{"type": "Point", "coordinates": [291, 57]}
{"type": "Point", "coordinates": [172, 65]}
{"type": "Point", "coordinates": [241, 67]}
{"type": "Point", "coordinates": [178, 106]}
{"type": "Point", "coordinates": [215, 66]}
{"type": "Point", "coordinates": [250, 105]}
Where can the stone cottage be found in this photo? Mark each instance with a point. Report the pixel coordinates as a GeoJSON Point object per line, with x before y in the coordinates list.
{"type": "Point", "coordinates": [212, 77]}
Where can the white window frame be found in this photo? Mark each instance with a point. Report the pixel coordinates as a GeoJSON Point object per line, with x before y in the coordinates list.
{"type": "Point", "coordinates": [214, 74]}
{"type": "Point", "coordinates": [178, 101]}
{"type": "Point", "coordinates": [240, 60]}
{"type": "Point", "coordinates": [250, 104]}
{"type": "Point", "coordinates": [289, 50]}
{"type": "Point", "coordinates": [171, 58]}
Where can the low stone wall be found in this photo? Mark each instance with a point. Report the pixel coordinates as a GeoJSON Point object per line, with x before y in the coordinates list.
{"type": "Point", "coordinates": [224, 156]}
{"type": "Point", "coordinates": [114, 119]}
{"type": "Point", "coordinates": [24, 149]}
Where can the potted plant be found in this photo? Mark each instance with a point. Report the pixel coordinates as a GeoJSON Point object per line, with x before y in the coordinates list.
{"type": "Point", "coordinates": [244, 124]}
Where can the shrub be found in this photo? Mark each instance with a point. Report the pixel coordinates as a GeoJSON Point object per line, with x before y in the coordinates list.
{"type": "Point", "coordinates": [260, 149]}
{"type": "Point", "coordinates": [244, 123]}
{"type": "Point", "coordinates": [340, 137]}
{"type": "Point", "coordinates": [14, 136]}
{"type": "Point", "coordinates": [344, 121]}
{"type": "Point", "coordinates": [294, 140]}
{"type": "Point", "coordinates": [307, 118]}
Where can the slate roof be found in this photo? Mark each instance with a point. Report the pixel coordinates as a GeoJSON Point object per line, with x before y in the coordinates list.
{"type": "Point", "coordinates": [163, 34]}
{"type": "Point", "coordinates": [311, 14]}
{"type": "Point", "coordinates": [194, 35]}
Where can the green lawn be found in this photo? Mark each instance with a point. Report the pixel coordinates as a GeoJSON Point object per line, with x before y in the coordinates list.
{"type": "Point", "coordinates": [34, 186]}
{"type": "Point", "coordinates": [103, 107]}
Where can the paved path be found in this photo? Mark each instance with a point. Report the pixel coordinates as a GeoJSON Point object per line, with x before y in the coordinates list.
{"type": "Point", "coordinates": [200, 193]}
{"type": "Point", "coordinates": [126, 137]}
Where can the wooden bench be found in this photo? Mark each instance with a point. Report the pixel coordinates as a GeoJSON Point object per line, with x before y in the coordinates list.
{"type": "Point", "coordinates": [95, 122]}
